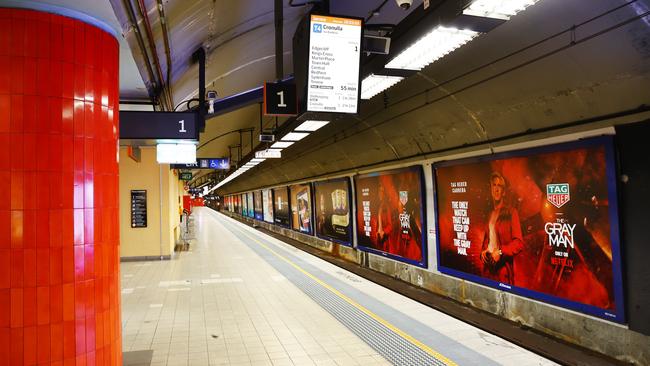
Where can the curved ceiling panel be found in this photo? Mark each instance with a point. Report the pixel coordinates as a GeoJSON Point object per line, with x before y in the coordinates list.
{"type": "Point", "coordinates": [602, 68]}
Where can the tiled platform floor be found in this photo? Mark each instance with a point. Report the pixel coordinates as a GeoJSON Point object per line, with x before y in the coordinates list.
{"type": "Point", "coordinates": [226, 302]}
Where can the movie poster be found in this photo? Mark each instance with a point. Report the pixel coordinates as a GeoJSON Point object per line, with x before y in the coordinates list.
{"type": "Point", "coordinates": [390, 214]}
{"type": "Point", "coordinates": [244, 204]}
{"type": "Point", "coordinates": [259, 211]}
{"type": "Point", "coordinates": [281, 206]}
{"type": "Point", "coordinates": [267, 203]}
{"type": "Point", "coordinates": [301, 207]}
{"type": "Point", "coordinates": [542, 223]}
{"type": "Point", "coordinates": [332, 210]}
{"type": "Point", "coordinates": [250, 205]}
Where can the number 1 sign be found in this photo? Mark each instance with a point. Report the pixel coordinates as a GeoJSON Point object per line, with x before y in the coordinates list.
{"type": "Point", "coordinates": [280, 99]}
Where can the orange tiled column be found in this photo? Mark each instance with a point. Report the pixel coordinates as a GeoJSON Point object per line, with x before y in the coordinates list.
{"type": "Point", "coordinates": [59, 233]}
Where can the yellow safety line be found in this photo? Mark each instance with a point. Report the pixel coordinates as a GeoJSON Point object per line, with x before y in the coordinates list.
{"type": "Point", "coordinates": [384, 322]}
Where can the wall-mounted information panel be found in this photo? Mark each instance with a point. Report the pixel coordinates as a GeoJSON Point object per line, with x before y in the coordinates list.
{"type": "Point", "coordinates": [138, 208]}
{"type": "Point", "coordinates": [334, 58]}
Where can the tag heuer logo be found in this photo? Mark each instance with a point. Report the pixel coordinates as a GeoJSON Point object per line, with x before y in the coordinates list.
{"type": "Point", "coordinates": [558, 194]}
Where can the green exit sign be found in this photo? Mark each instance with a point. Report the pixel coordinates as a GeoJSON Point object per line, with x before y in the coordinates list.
{"type": "Point", "coordinates": [186, 176]}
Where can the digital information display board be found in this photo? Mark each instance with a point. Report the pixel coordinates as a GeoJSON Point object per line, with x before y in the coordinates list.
{"type": "Point", "coordinates": [334, 58]}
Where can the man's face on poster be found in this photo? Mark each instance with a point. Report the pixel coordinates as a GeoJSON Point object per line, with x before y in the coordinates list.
{"type": "Point", "coordinates": [498, 187]}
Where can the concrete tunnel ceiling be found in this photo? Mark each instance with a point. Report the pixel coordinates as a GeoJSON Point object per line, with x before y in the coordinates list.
{"type": "Point", "coordinates": [606, 74]}
{"type": "Point", "coordinates": [239, 40]}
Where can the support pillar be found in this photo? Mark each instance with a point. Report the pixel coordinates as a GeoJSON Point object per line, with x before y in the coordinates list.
{"type": "Point", "coordinates": [59, 231]}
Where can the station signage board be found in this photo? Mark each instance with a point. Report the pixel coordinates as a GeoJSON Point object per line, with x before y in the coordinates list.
{"type": "Point", "coordinates": [334, 59]}
{"type": "Point", "coordinates": [205, 163]}
{"type": "Point", "coordinates": [280, 99]}
{"type": "Point", "coordinates": [139, 125]}
{"type": "Point", "coordinates": [186, 176]}
{"type": "Point", "coordinates": [138, 208]}
{"type": "Point", "coordinates": [268, 154]}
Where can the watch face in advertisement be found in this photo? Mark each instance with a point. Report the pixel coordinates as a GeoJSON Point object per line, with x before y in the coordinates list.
{"type": "Point", "coordinates": [332, 210]}
{"type": "Point", "coordinates": [267, 203]}
{"type": "Point", "coordinates": [540, 222]}
{"type": "Point", "coordinates": [301, 208]}
{"type": "Point", "coordinates": [390, 214]}
{"type": "Point", "coordinates": [281, 206]}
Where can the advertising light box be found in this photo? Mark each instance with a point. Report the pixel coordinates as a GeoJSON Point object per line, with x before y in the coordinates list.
{"type": "Point", "coordinates": [250, 205]}
{"type": "Point", "coordinates": [267, 205]}
{"type": "Point", "coordinates": [334, 59]}
{"type": "Point", "coordinates": [259, 210]}
{"type": "Point", "coordinates": [281, 206]}
{"type": "Point", "coordinates": [541, 223]}
{"type": "Point", "coordinates": [390, 214]}
{"type": "Point", "coordinates": [332, 208]}
{"type": "Point", "coordinates": [301, 208]}
{"type": "Point", "coordinates": [244, 204]}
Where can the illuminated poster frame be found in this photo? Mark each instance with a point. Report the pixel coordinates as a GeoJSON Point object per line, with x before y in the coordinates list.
{"type": "Point", "coordinates": [316, 209]}
{"type": "Point", "coordinates": [296, 220]}
{"type": "Point", "coordinates": [267, 206]}
{"type": "Point", "coordinates": [618, 315]}
{"type": "Point", "coordinates": [277, 220]}
{"type": "Point", "coordinates": [423, 262]}
{"type": "Point", "coordinates": [259, 205]}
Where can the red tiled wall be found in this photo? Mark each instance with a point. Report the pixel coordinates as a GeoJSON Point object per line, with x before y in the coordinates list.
{"type": "Point", "coordinates": [59, 233]}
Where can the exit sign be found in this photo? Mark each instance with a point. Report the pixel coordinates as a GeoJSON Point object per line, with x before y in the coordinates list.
{"type": "Point", "coordinates": [186, 176]}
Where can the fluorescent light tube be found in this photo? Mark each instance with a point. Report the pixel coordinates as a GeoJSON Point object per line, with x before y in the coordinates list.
{"type": "Point", "coordinates": [375, 84]}
{"type": "Point", "coordinates": [176, 153]}
{"type": "Point", "coordinates": [281, 145]}
{"type": "Point", "coordinates": [500, 9]}
{"type": "Point", "coordinates": [431, 47]}
{"type": "Point", "coordinates": [311, 126]}
{"type": "Point", "coordinates": [294, 136]}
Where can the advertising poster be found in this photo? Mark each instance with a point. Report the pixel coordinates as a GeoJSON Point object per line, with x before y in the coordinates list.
{"type": "Point", "coordinates": [281, 206]}
{"type": "Point", "coordinates": [250, 205]}
{"type": "Point", "coordinates": [301, 208]}
{"type": "Point", "coordinates": [243, 210]}
{"type": "Point", "coordinates": [267, 205]}
{"type": "Point", "coordinates": [541, 223]}
{"type": "Point", "coordinates": [390, 214]}
{"type": "Point", "coordinates": [259, 211]}
{"type": "Point", "coordinates": [332, 209]}
{"type": "Point", "coordinates": [236, 203]}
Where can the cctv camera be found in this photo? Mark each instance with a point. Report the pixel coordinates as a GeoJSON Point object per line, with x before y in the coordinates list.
{"type": "Point", "coordinates": [211, 96]}
{"type": "Point", "coordinates": [404, 4]}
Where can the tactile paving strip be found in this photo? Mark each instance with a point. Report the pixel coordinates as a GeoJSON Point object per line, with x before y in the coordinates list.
{"type": "Point", "coordinates": [385, 341]}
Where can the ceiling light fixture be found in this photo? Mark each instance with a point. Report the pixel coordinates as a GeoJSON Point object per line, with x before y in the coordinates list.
{"type": "Point", "coordinates": [499, 9]}
{"type": "Point", "coordinates": [281, 145]}
{"type": "Point", "coordinates": [311, 126]}
{"type": "Point", "coordinates": [294, 136]}
{"type": "Point", "coordinates": [375, 84]}
{"type": "Point", "coordinates": [431, 47]}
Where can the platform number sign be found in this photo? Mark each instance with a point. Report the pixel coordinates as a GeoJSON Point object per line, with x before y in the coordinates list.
{"type": "Point", "coordinates": [280, 99]}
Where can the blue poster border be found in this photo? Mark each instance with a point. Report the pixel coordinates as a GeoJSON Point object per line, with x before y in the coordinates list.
{"type": "Point", "coordinates": [607, 142]}
{"type": "Point", "coordinates": [311, 213]}
{"type": "Point", "coordinates": [351, 226]}
{"type": "Point", "coordinates": [423, 263]}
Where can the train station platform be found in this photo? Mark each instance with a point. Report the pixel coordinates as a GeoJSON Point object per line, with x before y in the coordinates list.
{"type": "Point", "coordinates": [241, 297]}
